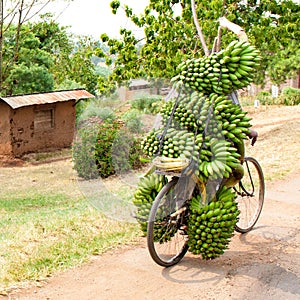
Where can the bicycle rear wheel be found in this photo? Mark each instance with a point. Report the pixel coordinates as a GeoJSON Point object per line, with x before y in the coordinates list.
{"type": "Point", "coordinates": [250, 195]}
{"type": "Point", "coordinates": [166, 238]}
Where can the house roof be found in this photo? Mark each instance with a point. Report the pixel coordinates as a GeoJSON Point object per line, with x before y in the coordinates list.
{"type": "Point", "coordinates": [138, 82]}
{"type": "Point", "coordinates": [44, 98]}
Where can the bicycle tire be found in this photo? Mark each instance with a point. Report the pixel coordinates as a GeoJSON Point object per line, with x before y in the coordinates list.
{"type": "Point", "coordinates": [250, 197]}
{"type": "Point", "coordinates": [166, 250]}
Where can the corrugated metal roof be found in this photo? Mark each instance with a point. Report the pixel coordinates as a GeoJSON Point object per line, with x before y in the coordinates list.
{"type": "Point", "coordinates": [44, 98]}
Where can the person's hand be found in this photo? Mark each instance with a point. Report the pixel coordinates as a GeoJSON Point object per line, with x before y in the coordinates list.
{"type": "Point", "coordinates": [253, 136]}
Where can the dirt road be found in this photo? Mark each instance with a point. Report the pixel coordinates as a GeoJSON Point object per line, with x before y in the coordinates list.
{"type": "Point", "coordinates": [263, 264]}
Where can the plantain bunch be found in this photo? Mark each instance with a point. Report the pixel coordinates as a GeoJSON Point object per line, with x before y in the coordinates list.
{"type": "Point", "coordinates": [175, 143]}
{"type": "Point", "coordinates": [223, 72]}
{"type": "Point", "coordinates": [211, 226]}
{"type": "Point", "coordinates": [224, 123]}
{"type": "Point", "coordinates": [147, 189]}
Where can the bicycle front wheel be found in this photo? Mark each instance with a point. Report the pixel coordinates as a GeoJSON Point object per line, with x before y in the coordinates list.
{"type": "Point", "coordinates": [166, 237]}
{"type": "Point", "coordinates": [250, 195]}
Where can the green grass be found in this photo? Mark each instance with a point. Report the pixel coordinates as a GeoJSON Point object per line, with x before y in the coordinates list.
{"type": "Point", "coordinates": [43, 233]}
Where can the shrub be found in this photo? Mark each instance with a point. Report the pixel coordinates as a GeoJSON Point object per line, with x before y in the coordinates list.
{"type": "Point", "coordinates": [133, 120]}
{"type": "Point", "coordinates": [290, 96]}
{"type": "Point", "coordinates": [103, 148]}
{"type": "Point", "coordinates": [147, 103]}
{"type": "Point", "coordinates": [106, 149]}
{"type": "Point", "coordinates": [83, 151]}
{"type": "Point", "coordinates": [92, 110]}
{"type": "Point", "coordinates": [126, 151]}
{"type": "Point", "coordinates": [265, 98]}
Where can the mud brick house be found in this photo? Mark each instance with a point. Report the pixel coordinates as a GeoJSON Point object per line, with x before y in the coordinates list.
{"type": "Point", "coordinates": [38, 122]}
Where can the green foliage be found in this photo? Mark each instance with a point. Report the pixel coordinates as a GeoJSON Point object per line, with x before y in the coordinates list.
{"type": "Point", "coordinates": [286, 63]}
{"type": "Point", "coordinates": [102, 150]}
{"type": "Point", "coordinates": [91, 110]}
{"type": "Point", "coordinates": [84, 152]}
{"type": "Point", "coordinates": [69, 84]}
{"type": "Point", "coordinates": [133, 120]}
{"type": "Point", "coordinates": [265, 97]}
{"type": "Point", "coordinates": [81, 68]}
{"type": "Point", "coordinates": [102, 71]}
{"type": "Point", "coordinates": [45, 57]}
{"type": "Point", "coordinates": [29, 79]}
{"type": "Point", "coordinates": [290, 96]}
{"type": "Point", "coordinates": [170, 37]}
{"type": "Point", "coordinates": [147, 103]}
{"type": "Point", "coordinates": [126, 151]}
{"type": "Point", "coordinates": [117, 149]}
{"type": "Point", "coordinates": [72, 57]}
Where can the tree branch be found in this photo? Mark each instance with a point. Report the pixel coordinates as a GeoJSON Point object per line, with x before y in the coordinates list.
{"type": "Point", "coordinates": [200, 34]}
{"type": "Point", "coordinates": [217, 41]}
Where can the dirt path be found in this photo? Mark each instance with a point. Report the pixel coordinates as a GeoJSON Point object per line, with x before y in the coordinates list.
{"type": "Point", "coordinates": [263, 264]}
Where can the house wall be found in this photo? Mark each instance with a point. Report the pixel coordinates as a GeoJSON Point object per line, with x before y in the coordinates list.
{"type": "Point", "coordinates": [5, 140]}
{"type": "Point", "coordinates": [32, 130]}
{"type": "Point", "coordinates": [125, 94]}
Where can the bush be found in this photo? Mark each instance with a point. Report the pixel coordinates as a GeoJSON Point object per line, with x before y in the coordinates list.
{"type": "Point", "coordinates": [265, 98]}
{"type": "Point", "coordinates": [102, 150]}
{"type": "Point", "coordinates": [147, 104]}
{"type": "Point", "coordinates": [104, 113]}
{"type": "Point", "coordinates": [133, 120]}
{"type": "Point", "coordinates": [126, 151]}
{"type": "Point", "coordinates": [290, 96]}
{"type": "Point", "coordinates": [83, 151]}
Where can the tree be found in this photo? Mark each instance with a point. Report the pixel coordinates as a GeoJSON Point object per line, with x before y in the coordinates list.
{"type": "Point", "coordinates": [30, 71]}
{"type": "Point", "coordinates": [38, 48]}
{"type": "Point", "coordinates": [72, 56]}
{"type": "Point", "coordinates": [47, 58]}
{"type": "Point", "coordinates": [17, 12]}
{"type": "Point", "coordinates": [171, 37]}
{"type": "Point", "coordinates": [81, 67]}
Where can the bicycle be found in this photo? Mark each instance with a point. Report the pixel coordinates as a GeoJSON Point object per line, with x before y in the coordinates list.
{"type": "Point", "coordinates": [167, 238]}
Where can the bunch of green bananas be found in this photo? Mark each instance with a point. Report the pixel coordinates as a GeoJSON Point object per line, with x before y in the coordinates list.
{"type": "Point", "coordinates": [175, 143]}
{"type": "Point", "coordinates": [210, 226]}
{"type": "Point", "coordinates": [163, 230]}
{"type": "Point", "coordinates": [235, 123]}
{"type": "Point", "coordinates": [183, 117]}
{"type": "Point", "coordinates": [219, 161]}
{"type": "Point", "coordinates": [148, 188]}
{"type": "Point", "coordinates": [217, 157]}
{"type": "Point", "coordinates": [223, 72]}
{"type": "Point", "coordinates": [227, 120]}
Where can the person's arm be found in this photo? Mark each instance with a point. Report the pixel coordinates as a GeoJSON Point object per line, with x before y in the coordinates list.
{"type": "Point", "coordinates": [253, 135]}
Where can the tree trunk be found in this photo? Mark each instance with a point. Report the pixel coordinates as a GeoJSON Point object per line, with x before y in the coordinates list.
{"type": "Point", "coordinates": [1, 44]}
{"type": "Point", "coordinates": [200, 34]}
{"type": "Point", "coordinates": [19, 25]}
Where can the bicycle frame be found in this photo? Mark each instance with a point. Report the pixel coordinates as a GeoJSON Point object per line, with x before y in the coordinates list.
{"type": "Point", "coordinates": [245, 192]}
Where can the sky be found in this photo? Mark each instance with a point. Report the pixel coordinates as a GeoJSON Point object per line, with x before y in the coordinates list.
{"type": "Point", "coordinates": [94, 17]}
